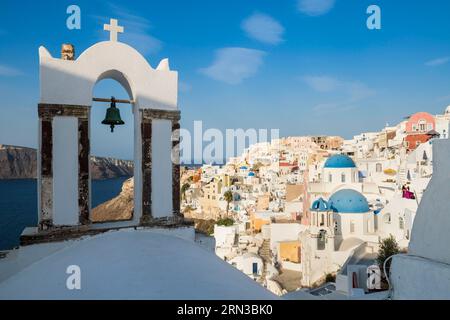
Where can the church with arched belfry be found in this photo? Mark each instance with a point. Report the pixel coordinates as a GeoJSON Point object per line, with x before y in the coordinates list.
{"type": "Point", "coordinates": [66, 99]}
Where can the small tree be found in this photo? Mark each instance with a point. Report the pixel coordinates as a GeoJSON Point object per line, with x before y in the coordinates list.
{"type": "Point", "coordinates": [388, 247]}
{"type": "Point", "coordinates": [329, 277]}
{"type": "Point", "coordinates": [227, 222]}
{"type": "Point", "coordinates": [185, 187]}
{"type": "Point", "coordinates": [228, 196]}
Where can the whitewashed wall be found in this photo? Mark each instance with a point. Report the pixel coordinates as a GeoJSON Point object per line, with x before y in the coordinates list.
{"type": "Point", "coordinates": [65, 171]}
{"type": "Point", "coordinates": [161, 168]}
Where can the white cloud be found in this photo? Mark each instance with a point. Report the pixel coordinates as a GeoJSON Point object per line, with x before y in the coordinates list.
{"type": "Point", "coordinates": [437, 62]}
{"type": "Point", "coordinates": [354, 92]}
{"type": "Point", "coordinates": [263, 28]}
{"type": "Point", "coordinates": [315, 7]}
{"type": "Point", "coordinates": [137, 30]}
{"type": "Point", "coordinates": [321, 83]}
{"type": "Point", "coordinates": [8, 71]}
{"type": "Point", "coordinates": [233, 65]}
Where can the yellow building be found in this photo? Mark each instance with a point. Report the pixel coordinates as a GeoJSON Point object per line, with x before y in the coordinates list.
{"type": "Point", "coordinates": [290, 251]}
{"type": "Point", "coordinates": [257, 222]}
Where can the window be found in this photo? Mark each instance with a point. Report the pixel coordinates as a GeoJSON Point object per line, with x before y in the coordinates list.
{"type": "Point", "coordinates": [422, 126]}
{"type": "Point", "coordinates": [379, 167]}
{"type": "Point", "coordinates": [330, 178]}
{"type": "Point", "coordinates": [387, 218]}
{"type": "Point", "coordinates": [343, 178]}
{"type": "Point", "coordinates": [322, 240]}
{"type": "Point", "coordinates": [322, 220]}
{"type": "Point", "coordinates": [401, 223]}
{"type": "Point", "coordinates": [352, 227]}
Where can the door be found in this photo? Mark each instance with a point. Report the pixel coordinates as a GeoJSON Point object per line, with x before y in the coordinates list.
{"type": "Point", "coordinates": [255, 268]}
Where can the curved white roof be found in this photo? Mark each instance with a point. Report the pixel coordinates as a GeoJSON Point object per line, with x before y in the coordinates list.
{"type": "Point", "coordinates": [72, 82]}
{"type": "Point", "coordinates": [130, 264]}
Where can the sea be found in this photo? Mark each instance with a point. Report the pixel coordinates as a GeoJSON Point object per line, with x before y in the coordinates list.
{"type": "Point", "coordinates": [18, 205]}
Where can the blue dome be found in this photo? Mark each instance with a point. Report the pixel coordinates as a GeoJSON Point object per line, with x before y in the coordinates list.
{"type": "Point", "coordinates": [243, 168]}
{"type": "Point", "coordinates": [348, 201]}
{"type": "Point", "coordinates": [320, 205]}
{"type": "Point", "coordinates": [340, 161]}
{"type": "Point", "coordinates": [251, 174]}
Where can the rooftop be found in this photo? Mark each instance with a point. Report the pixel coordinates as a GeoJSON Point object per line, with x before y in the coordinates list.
{"type": "Point", "coordinates": [126, 264]}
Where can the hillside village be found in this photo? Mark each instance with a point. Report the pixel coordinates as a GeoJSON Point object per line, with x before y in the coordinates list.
{"type": "Point", "coordinates": [300, 211]}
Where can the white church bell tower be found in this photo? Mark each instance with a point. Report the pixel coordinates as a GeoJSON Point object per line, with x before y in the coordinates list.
{"type": "Point", "coordinates": [66, 88]}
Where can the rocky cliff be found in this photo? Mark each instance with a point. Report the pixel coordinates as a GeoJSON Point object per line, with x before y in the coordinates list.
{"type": "Point", "coordinates": [118, 208]}
{"type": "Point", "coordinates": [21, 163]}
{"type": "Point", "coordinates": [17, 162]}
{"type": "Point", "coordinates": [121, 208]}
{"type": "Point", "coordinates": [107, 168]}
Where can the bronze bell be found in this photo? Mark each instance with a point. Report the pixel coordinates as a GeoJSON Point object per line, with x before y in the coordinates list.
{"type": "Point", "coordinates": [112, 117]}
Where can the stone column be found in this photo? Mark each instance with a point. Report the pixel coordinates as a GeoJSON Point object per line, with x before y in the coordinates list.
{"type": "Point", "coordinates": [83, 170]}
{"type": "Point", "coordinates": [46, 114]}
{"type": "Point", "coordinates": [146, 133]}
{"type": "Point", "coordinates": [176, 167]}
{"type": "Point", "coordinates": [46, 163]}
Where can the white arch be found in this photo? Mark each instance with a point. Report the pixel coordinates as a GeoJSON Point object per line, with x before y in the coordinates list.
{"type": "Point", "coordinates": [72, 82]}
{"type": "Point", "coordinates": [118, 76]}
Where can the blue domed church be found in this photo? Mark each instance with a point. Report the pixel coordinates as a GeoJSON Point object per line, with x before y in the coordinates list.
{"type": "Point", "coordinates": [341, 219]}
{"type": "Point", "coordinates": [340, 169]}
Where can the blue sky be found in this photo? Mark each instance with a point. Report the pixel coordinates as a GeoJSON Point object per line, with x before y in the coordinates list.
{"type": "Point", "coordinates": [303, 66]}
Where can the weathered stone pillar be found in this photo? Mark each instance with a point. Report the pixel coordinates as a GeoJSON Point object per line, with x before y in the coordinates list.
{"type": "Point", "coordinates": [46, 163]}
{"type": "Point", "coordinates": [146, 133]}
{"type": "Point", "coordinates": [83, 169]}
{"type": "Point", "coordinates": [46, 113]}
{"type": "Point", "coordinates": [176, 167]}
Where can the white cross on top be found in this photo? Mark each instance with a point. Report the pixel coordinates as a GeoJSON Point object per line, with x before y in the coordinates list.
{"type": "Point", "coordinates": [113, 29]}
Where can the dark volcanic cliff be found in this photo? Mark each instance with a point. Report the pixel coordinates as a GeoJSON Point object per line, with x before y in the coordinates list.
{"type": "Point", "coordinates": [20, 163]}
{"type": "Point", "coordinates": [107, 168]}
{"type": "Point", "coordinates": [17, 162]}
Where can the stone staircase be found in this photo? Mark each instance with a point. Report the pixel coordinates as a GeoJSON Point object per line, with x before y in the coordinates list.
{"type": "Point", "coordinates": [264, 251]}
{"type": "Point", "coordinates": [265, 254]}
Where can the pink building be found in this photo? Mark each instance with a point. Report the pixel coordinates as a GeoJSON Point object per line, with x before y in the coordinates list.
{"type": "Point", "coordinates": [421, 122]}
